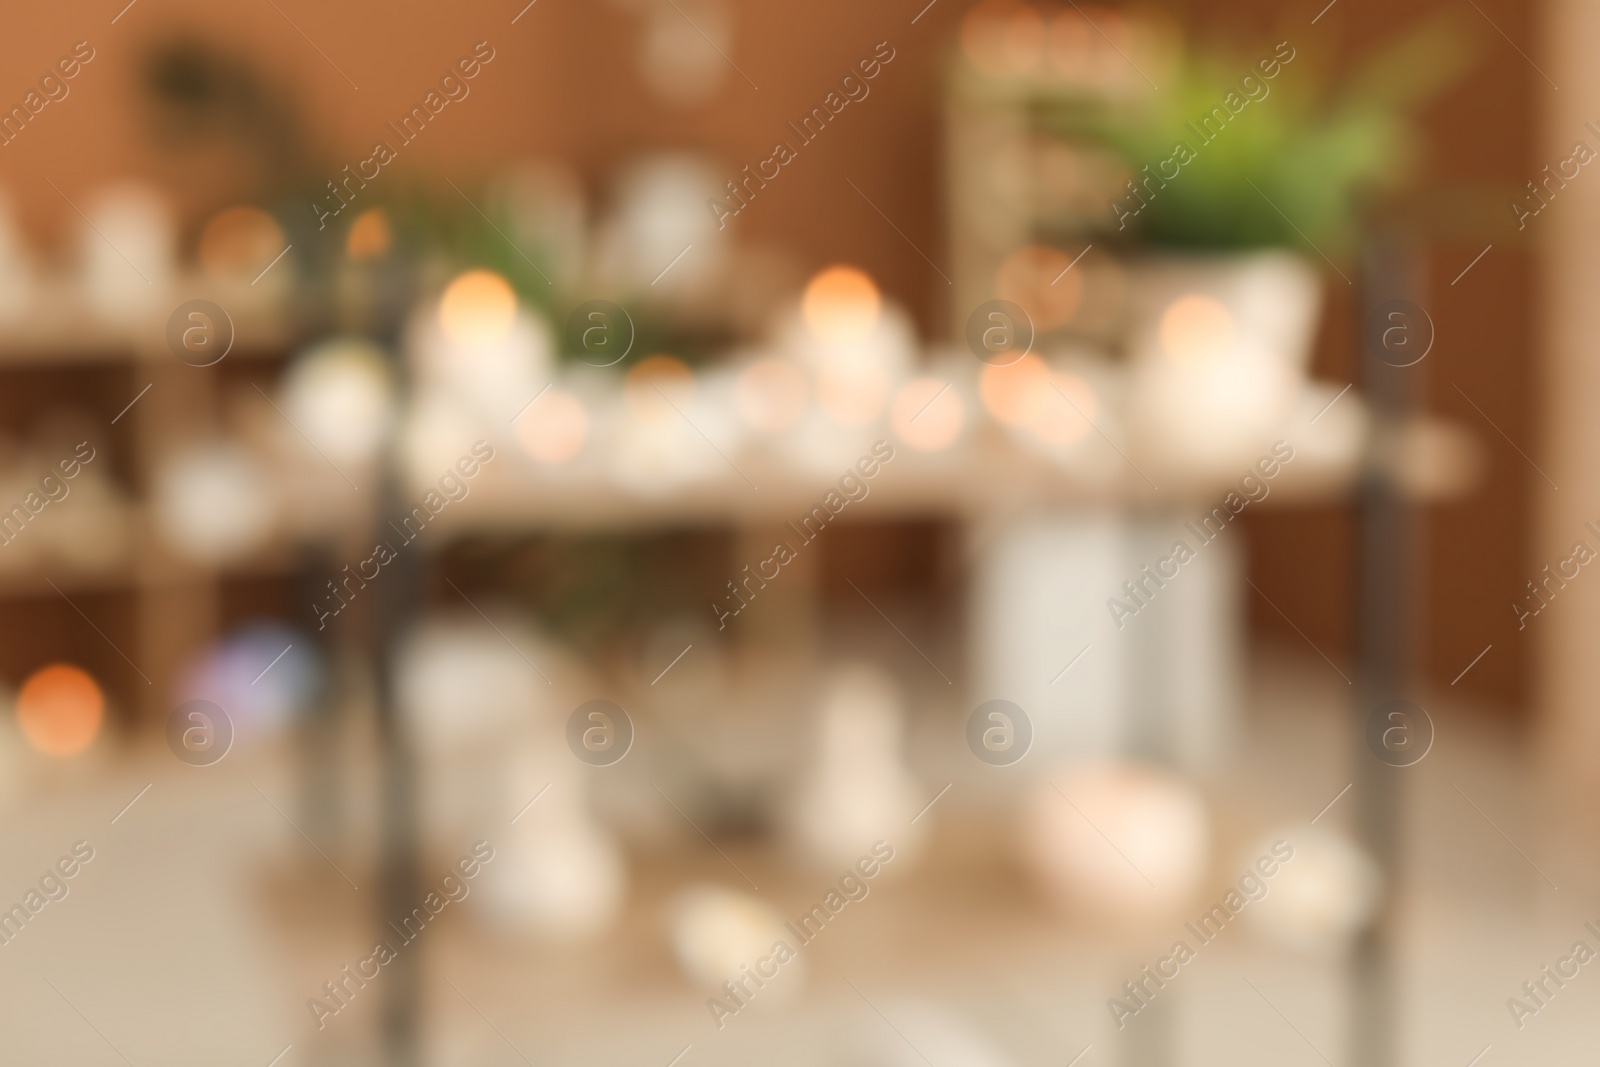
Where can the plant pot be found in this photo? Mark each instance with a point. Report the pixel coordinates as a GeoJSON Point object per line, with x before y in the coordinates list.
{"type": "Point", "coordinates": [1219, 347]}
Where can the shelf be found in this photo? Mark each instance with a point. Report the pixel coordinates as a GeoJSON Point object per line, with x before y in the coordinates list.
{"type": "Point", "coordinates": [59, 325]}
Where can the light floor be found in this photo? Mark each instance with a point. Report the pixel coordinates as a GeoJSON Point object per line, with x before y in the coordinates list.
{"type": "Point", "coordinates": [205, 921]}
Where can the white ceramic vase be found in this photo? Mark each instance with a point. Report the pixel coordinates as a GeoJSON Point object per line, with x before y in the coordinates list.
{"type": "Point", "coordinates": [1219, 347]}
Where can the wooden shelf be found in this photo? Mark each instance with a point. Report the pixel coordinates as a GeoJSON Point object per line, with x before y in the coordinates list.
{"type": "Point", "coordinates": [993, 476]}
{"type": "Point", "coordinates": [60, 325]}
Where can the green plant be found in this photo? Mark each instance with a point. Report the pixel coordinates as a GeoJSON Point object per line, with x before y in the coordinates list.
{"type": "Point", "coordinates": [1296, 166]}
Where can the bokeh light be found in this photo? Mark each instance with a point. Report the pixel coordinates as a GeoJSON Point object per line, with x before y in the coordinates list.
{"type": "Point", "coordinates": [1091, 46]}
{"type": "Point", "coordinates": [853, 393]}
{"type": "Point", "coordinates": [1037, 279]}
{"type": "Point", "coordinates": [1196, 329]}
{"type": "Point", "coordinates": [1003, 39]}
{"type": "Point", "coordinates": [771, 394]}
{"type": "Point", "coordinates": [656, 384]}
{"type": "Point", "coordinates": [928, 414]}
{"type": "Point", "coordinates": [240, 241]}
{"type": "Point", "coordinates": [716, 930]}
{"type": "Point", "coordinates": [214, 501]}
{"type": "Point", "coordinates": [478, 307]}
{"type": "Point", "coordinates": [1069, 39]}
{"type": "Point", "coordinates": [340, 394]}
{"type": "Point", "coordinates": [1016, 393]}
{"type": "Point", "coordinates": [1322, 899]}
{"type": "Point", "coordinates": [264, 674]}
{"type": "Point", "coordinates": [1158, 820]}
{"type": "Point", "coordinates": [555, 429]}
{"type": "Point", "coordinates": [369, 237]}
{"type": "Point", "coordinates": [59, 709]}
{"type": "Point", "coordinates": [1022, 41]}
{"type": "Point", "coordinates": [841, 303]}
{"type": "Point", "coordinates": [1069, 418]}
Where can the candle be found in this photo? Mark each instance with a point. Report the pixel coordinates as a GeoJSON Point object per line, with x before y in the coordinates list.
{"type": "Point", "coordinates": [340, 394]}
{"type": "Point", "coordinates": [859, 790]}
{"type": "Point", "coordinates": [1322, 896]}
{"type": "Point", "coordinates": [59, 709]}
{"type": "Point", "coordinates": [214, 501]}
{"type": "Point", "coordinates": [1117, 840]}
{"type": "Point", "coordinates": [126, 251]}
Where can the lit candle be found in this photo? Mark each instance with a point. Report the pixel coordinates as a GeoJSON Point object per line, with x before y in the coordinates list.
{"type": "Point", "coordinates": [482, 347]}
{"type": "Point", "coordinates": [59, 709]}
{"type": "Point", "coordinates": [854, 346]}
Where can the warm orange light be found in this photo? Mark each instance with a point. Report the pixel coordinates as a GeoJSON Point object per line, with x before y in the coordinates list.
{"type": "Point", "coordinates": [240, 240]}
{"type": "Point", "coordinates": [1069, 411]}
{"type": "Point", "coordinates": [1091, 46]}
{"type": "Point", "coordinates": [1069, 46]}
{"type": "Point", "coordinates": [927, 414]}
{"type": "Point", "coordinates": [1196, 329]}
{"type": "Point", "coordinates": [853, 394]}
{"type": "Point", "coordinates": [1016, 393]}
{"type": "Point", "coordinates": [1037, 279]}
{"type": "Point", "coordinates": [554, 429]}
{"type": "Point", "coordinates": [984, 31]}
{"type": "Point", "coordinates": [369, 237]}
{"type": "Point", "coordinates": [1024, 41]}
{"type": "Point", "coordinates": [841, 303]}
{"type": "Point", "coordinates": [771, 394]}
{"type": "Point", "coordinates": [59, 709]}
{"type": "Point", "coordinates": [478, 307]}
{"type": "Point", "coordinates": [656, 385]}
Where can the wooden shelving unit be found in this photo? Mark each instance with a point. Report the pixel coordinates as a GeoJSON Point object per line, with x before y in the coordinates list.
{"type": "Point", "coordinates": [153, 608]}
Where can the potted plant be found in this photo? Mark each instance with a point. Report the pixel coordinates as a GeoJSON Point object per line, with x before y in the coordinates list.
{"type": "Point", "coordinates": [1248, 175]}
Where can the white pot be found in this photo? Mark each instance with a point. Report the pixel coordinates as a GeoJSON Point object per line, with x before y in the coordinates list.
{"type": "Point", "coordinates": [1219, 348]}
